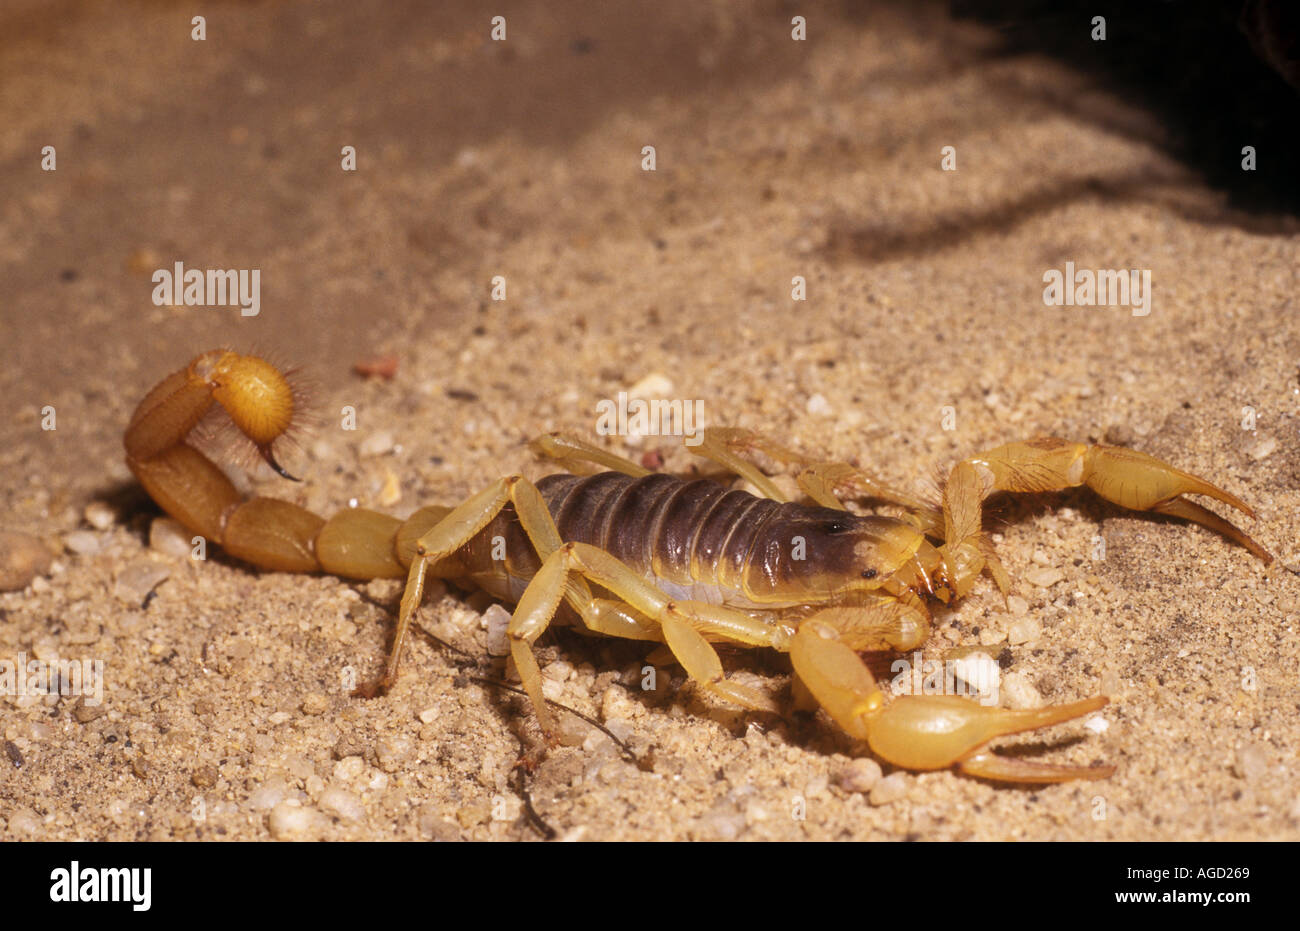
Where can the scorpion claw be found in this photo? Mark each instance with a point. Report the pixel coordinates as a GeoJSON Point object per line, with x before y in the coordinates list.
{"type": "Point", "coordinates": [938, 731]}
{"type": "Point", "coordinates": [988, 765]}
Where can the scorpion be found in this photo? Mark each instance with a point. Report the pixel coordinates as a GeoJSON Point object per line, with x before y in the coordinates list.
{"type": "Point", "coordinates": [682, 563]}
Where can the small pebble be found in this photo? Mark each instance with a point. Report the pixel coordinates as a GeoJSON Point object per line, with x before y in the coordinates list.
{"type": "Point", "coordinates": [290, 821]}
{"type": "Point", "coordinates": [436, 828]}
{"type": "Point", "coordinates": [1044, 578]}
{"type": "Point", "coordinates": [818, 406]}
{"type": "Point", "coordinates": [980, 671]}
{"type": "Point", "coordinates": [205, 777]}
{"type": "Point", "coordinates": [1019, 692]}
{"type": "Point", "coordinates": [82, 542]}
{"type": "Point", "coordinates": [1024, 630]}
{"type": "Point", "coordinates": [495, 621]}
{"type": "Point", "coordinates": [859, 775]}
{"type": "Point", "coordinates": [615, 703]}
{"type": "Point", "coordinates": [22, 558]}
{"type": "Point", "coordinates": [1251, 762]}
{"type": "Point", "coordinates": [724, 824]}
{"type": "Point", "coordinates": [315, 703]}
{"type": "Point", "coordinates": [652, 386]}
{"type": "Point", "coordinates": [1264, 448]}
{"type": "Point", "coordinates": [349, 768]}
{"type": "Point", "coordinates": [138, 579]}
{"type": "Point", "coordinates": [1017, 606]}
{"type": "Point", "coordinates": [1097, 724]}
{"type": "Point", "coordinates": [266, 797]}
{"type": "Point", "coordinates": [84, 713]}
{"type": "Point", "coordinates": [890, 789]}
{"type": "Point", "coordinates": [391, 752]}
{"type": "Point", "coordinates": [24, 823]}
{"type": "Point", "coordinates": [99, 515]}
{"type": "Point", "coordinates": [169, 536]}
{"type": "Point", "coordinates": [342, 803]}
{"type": "Point", "coordinates": [377, 444]}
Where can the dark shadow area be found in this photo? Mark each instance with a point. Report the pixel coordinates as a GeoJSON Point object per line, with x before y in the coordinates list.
{"type": "Point", "coordinates": [1216, 75]}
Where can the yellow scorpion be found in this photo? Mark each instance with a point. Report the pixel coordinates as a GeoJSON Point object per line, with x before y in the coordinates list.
{"type": "Point", "coordinates": [682, 563]}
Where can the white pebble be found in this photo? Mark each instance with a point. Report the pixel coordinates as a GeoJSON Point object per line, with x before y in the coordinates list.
{"type": "Point", "coordinates": [99, 515]}
{"type": "Point", "coordinates": [1024, 630]}
{"type": "Point", "coordinates": [1264, 448]}
{"type": "Point", "coordinates": [391, 752]}
{"type": "Point", "coordinates": [349, 768]}
{"type": "Point", "coordinates": [82, 542]}
{"type": "Point", "coordinates": [1097, 724]}
{"type": "Point", "coordinates": [818, 406]}
{"type": "Point", "coordinates": [1044, 578]}
{"type": "Point", "coordinates": [266, 797]}
{"type": "Point", "coordinates": [652, 386]}
{"type": "Point", "coordinates": [290, 821]}
{"type": "Point", "coordinates": [859, 775]}
{"type": "Point", "coordinates": [1019, 692]}
{"type": "Point", "coordinates": [170, 536]}
{"type": "Point", "coordinates": [980, 671]}
{"type": "Point", "coordinates": [890, 789]}
{"type": "Point", "coordinates": [560, 670]}
{"type": "Point", "coordinates": [137, 580]}
{"type": "Point", "coordinates": [1251, 762]}
{"type": "Point", "coordinates": [495, 620]}
{"type": "Point", "coordinates": [377, 444]}
{"type": "Point", "coordinates": [615, 703]}
{"type": "Point", "coordinates": [342, 803]}
{"type": "Point", "coordinates": [24, 823]}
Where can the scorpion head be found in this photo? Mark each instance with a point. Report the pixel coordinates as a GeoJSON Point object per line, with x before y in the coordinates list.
{"type": "Point", "coordinates": [821, 556]}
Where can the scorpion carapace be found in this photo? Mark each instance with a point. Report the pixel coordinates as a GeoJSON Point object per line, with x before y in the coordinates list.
{"type": "Point", "coordinates": [682, 563]}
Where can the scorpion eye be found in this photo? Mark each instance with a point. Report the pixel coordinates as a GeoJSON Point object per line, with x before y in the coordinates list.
{"type": "Point", "coordinates": [836, 526]}
{"type": "Point", "coordinates": [868, 573]}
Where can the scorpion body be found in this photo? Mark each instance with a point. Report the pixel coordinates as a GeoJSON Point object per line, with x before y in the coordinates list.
{"type": "Point", "coordinates": [700, 541]}
{"type": "Point", "coordinates": [682, 563]}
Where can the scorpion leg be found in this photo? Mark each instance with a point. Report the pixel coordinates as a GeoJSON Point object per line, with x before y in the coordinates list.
{"type": "Point", "coordinates": [453, 531]}
{"type": "Point", "coordinates": [682, 624]}
{"type": "Point", "coordinates": [720, 445]}
{"type": "Point", "coordinates": [925, 732]}
{"type": "Point", "coordinates": [822, 481]}
{"type": "Point", "coordinates": [569, 451]}
{"type": "Point", "coordinates": [1123, 476]}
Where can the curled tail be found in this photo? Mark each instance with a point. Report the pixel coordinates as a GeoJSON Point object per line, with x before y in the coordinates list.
{"type": "Point", "coordinates": [268, 532]}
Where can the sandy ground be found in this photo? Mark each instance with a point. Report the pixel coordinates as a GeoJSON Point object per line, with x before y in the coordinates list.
{"type": "Point", "coordinates": [225, 712]}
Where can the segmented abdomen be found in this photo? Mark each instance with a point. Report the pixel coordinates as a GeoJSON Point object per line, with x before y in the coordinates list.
{"type": "Point", "coordinates": [691, 538]}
